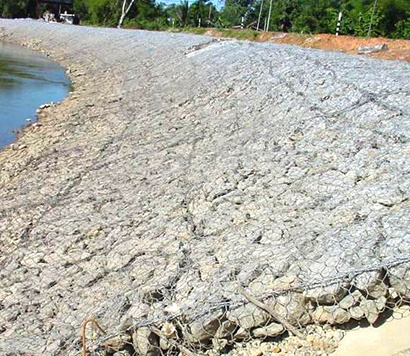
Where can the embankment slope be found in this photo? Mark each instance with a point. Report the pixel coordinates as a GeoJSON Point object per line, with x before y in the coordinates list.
{"type": "Point", "coordinates": [181, 167]}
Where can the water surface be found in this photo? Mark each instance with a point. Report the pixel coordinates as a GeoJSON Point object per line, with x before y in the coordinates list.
{"type": "Point", "coordinates": [27, 80]}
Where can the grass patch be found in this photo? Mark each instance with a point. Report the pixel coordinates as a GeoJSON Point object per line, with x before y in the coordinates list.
{"type": "Point", "coordinates": [250, 35]}
{"type": "Point", "coordinates": [194, 30]}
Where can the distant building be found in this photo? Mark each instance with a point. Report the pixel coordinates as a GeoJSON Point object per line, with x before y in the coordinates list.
{"type": "Point", "coordinates": [55, 11]}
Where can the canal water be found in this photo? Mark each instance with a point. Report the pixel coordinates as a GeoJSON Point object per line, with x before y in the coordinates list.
{"type": "Point", "coordinates": [27, 80]}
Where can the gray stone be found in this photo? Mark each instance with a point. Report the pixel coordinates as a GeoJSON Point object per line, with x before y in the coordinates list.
{"type": "Point", "coordinates": [226, 329]}
{"type": "Point", "coordinates": [219, 344]}
{"type": "Point", "coordinates": [371, 310]}
{"type": "Point", "coordinates": [371, 283]}
{"type": "Point", "coordinates": [242, 334]}
{"type": "Point", "coordinates": [164, 344]}
{"type": "Point", "coordinates": [293, 307]}
{"type": "Point", "coordinates": [370, 49]}
{"type": "Point", "coordinates": [248, 316]}
{"type": "Point", "coordinates": [327, 294]}
{"type": "Point", "coordinates": [399, 277]}
{"type": "Point", "coordinates": [206, 327]}
{"type": "Point", "coordinates": [146, 342]}
{"type": "Point", "coordinates": [357, 312]}
{"type": "Point", "coordinates": [118, 342]}
{"type": "Point", "coordinates": [338, 335]}
{"type": "Point", "coordinates": [170, 332]}
{"type": "Point", "coordinates": [271, 330]}
{"type": "Point", "coordinates": [380, 303]}
{"type": "Point", "coordinates": [351, 300]}
{"type": "Point", "coordinates": [331, 315]}
{"type": "Point", "coordinates": [122, 353]}
{"type": "Point", "coordinates": [269, 282]}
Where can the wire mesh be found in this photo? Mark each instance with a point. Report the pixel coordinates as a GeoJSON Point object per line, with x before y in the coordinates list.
{"type": "Point", "coordinates": [230, 197]}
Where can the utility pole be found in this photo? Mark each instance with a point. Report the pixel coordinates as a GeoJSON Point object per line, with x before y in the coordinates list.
{"type": "Point", "coordinates": [371, 19]}
{"type": "Point", "coordinates": [338, 23]}
{"type": "Point", "coordinates": [270, 11]}
{"type": "Point", "coordinates": [259, 17]}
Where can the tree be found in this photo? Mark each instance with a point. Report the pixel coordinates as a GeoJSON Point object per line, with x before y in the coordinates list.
{"type": "Point", "coordinates": [81, 9]}
{"type": "Point", "coordinates": [201, 9]}
{"type": "Point", "coordinates": [126, 7]}
{"type": "Point", "coordinates": [146, 14]}
{"type": "Point", "coordinates": [99, 12]}
{"type": "Point", "coordinates": [233, 11]}
{"type": "Point", "coordinates": [17, 8]}
{"type": "Point", "coordinates": [394, 11]}
{"type": "Point", "coordinates": [182, 11]}
{"type": "Point", "coordinates": [402, 29]}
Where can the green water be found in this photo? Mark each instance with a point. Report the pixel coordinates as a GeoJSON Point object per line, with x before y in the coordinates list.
{"type": "Point", "coordinates": [27, 80]}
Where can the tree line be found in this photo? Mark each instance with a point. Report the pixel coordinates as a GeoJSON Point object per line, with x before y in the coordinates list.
{"type": "Point", "coordinates": [389, 18]}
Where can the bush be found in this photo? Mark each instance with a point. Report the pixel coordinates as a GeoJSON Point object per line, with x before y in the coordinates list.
{"type": "Point", "coordinates": [154, 25]}
{"type": "Point", "coordinates": [402, 29]}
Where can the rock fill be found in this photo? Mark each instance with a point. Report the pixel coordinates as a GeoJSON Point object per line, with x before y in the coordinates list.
{"type": "Point", "coordinates": [180, 169]}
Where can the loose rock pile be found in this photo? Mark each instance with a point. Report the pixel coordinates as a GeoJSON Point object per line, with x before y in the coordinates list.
{"type": "Point", "coordinates": [180, 170]}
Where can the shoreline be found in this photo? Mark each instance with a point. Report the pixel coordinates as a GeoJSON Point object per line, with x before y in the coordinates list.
{"type": "Point", "coordinates": [43, 111]}
{"type": "Point", "coordinates": [31, 126]}
{"type": "Point", "coordinates": [157, 172]}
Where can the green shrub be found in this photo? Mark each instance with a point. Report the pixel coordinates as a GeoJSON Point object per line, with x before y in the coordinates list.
{"type": "Point", "coordinates": [402, 29]}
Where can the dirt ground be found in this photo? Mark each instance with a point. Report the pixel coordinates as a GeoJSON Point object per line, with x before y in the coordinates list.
{"type": "Point", "coordinates": [397, 49]}
{"type": "Point", "coordinates": [389, 339]}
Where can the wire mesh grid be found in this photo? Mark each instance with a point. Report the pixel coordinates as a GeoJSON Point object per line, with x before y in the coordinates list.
{"type": "Point", "coordinates": [193, 231]}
